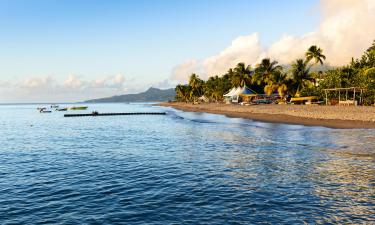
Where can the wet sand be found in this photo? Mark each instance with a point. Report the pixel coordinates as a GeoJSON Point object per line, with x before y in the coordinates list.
{"type": "Point", "coordinates": [309, 115]}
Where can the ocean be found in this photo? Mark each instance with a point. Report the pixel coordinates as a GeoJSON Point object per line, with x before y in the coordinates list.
{"type": "Point", "coordinates": [180, 168]}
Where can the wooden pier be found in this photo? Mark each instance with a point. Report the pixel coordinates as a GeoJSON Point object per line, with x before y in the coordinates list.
{"type": "Point", "coordinates": [115, 114]}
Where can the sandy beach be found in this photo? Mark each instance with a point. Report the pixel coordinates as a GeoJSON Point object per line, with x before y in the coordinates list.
{"type": "Point", "coordinates": [309, 115]}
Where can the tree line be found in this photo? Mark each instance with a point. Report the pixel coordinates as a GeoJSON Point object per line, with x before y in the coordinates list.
{"type": "Point", "coordinates": [297, 79]}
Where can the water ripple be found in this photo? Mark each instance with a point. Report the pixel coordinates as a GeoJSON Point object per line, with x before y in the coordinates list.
{"type": "Point", "coordinates": [183, 168]}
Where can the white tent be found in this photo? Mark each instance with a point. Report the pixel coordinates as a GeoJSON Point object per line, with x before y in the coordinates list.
{"type": "Point", "coordinates": [233, 94]}
{"type": "Point", "coordinates": [237, 93]}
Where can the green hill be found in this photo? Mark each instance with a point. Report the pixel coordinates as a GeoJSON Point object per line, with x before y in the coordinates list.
{"type": "Point", "coordinates": [151, 95]}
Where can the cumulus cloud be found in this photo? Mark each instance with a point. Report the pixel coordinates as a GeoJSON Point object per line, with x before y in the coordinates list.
{"type": "Point", "coordinates": [73, 82]}
{"type": "Point", "coordinates": [115, 82]}
{"type": "Point", "coordinates": [182, 71]}
{"type": "Point", "coordinates": [38, 82]}
{"type": "Point", "coordinates": [346, 30]}
{"type": "Point", "coordinates": [242, 49]}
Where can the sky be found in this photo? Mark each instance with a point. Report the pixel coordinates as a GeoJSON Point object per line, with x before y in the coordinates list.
{"type": "Point", "coordinates": [73, 50]}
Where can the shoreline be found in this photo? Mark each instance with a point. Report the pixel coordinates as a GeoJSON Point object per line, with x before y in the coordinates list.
{"type": "Point", "coordinates": [325, 116]}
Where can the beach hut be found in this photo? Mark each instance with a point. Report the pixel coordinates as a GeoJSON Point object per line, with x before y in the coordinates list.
{"type": "Point", "coordinates": [346, 96]}
{"type": "Point", "coordinates": [248, 91]}
{"type": "Point", "coordinates": [248, 94]}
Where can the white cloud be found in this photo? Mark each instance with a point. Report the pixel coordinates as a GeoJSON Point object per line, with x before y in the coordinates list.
{"type": "Point", "coordinates": [346, 30]}
{"type": "Point", "coordinates": [4, 84]}
{"type": "Point", "coordinates": [183, 71]}
{"type": "Point", "coordinates": [38, 82]}
{"type": "Point", "coordinates": [242, 49]}
{"type": "Point", "coordinates": [167, 83]}
{"type": "Point", "coordinates": [73, 88]}
{"type": "Point", "coordinates": [115, 82]}
{"type": "Point", "coordinates": [74, 82]}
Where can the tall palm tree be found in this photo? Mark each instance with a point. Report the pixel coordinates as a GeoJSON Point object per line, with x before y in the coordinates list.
{"type": "Point", "coordinates": [316, 53]}
{"type": "Point", "coordinates": [179, 92]}
{"type": "Point", "coordinates": [264, 70]}
{"type": "Point", "coordinates": [210, 87]}
{"type": "Point", "coordinates": [194, 81]}
{"type": "Point", "coordinates": [196, 85]}
{"type": "Point", "coordinates": [301, 73]}
{"type": "Point", "coordinates": [241, 75]}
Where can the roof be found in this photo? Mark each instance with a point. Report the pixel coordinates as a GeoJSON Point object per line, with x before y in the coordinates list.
{"type": "Point", "coordinates": [248, 91]}
{"type": "Point", "coordinates": [240, 91]}
{"type": "Point", "coordinates": [346, 89]}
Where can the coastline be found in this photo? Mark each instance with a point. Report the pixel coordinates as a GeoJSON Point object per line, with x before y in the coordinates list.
{"type": "Point", "coordinates": [338, 117]}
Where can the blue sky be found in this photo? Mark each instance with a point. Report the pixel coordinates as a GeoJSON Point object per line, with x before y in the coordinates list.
{"type": "Point", "coordinates": [143, 40]}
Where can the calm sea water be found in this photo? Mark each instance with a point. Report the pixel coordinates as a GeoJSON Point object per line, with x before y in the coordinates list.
{"type": "Point", "coordinates": [183, 168]}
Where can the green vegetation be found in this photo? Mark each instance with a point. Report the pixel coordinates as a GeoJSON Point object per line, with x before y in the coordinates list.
{"type": "Point", "coordinates": [300, 80]}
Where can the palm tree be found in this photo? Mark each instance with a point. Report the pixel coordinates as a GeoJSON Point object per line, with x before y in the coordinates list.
{"type": "Point", "coordinates": [183, 92]}
{"type": "Point", "coordinates": [179, 92]}
{"type": "Point", "coordinates": [217, 95]}
{"type": "Point", "coordinates": [316, 53]}
{"type": "Point", "coordinates": [241, 75]}
{"type": "Point", "coordinates": [372, 48]}
{"type": "Point", "coordinates": [301, 73]}
{"type": "Point", "coordinates": [196, 85]}
{"type": "Point", "coordinates": [264, 70]}
{"type": "Point", "coordinates": [277, 83]}
{"type": "Point", "coordinates": [280, 79]}
{"type": "Point", "coordinates": [210, 87]}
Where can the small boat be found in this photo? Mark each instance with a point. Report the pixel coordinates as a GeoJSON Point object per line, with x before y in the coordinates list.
{"type": "Point", "coordinates": [39, 108]}
{"type": "Point", "coordinates": [62, 109]}
{"type": "Point", "coordinates": [78, 108]}
{"type": "Point", "coordinates": [45, 111]}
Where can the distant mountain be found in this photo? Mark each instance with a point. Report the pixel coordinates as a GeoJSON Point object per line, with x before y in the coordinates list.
{"type": "Point", "coordinates": [151, 95]}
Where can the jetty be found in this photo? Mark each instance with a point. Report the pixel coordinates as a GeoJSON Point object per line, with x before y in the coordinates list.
{"type": "Point", "coordinates": [114, 114]}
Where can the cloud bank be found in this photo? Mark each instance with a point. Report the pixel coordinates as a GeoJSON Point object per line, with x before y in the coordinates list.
{"type": "Point", "coordinates": [49, 89]}
{"type": "Point", "coordinates": [346, 30]}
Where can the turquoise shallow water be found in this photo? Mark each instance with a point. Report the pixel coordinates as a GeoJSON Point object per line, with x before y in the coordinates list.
{"type": "Point", "coordinates": [182, 168]}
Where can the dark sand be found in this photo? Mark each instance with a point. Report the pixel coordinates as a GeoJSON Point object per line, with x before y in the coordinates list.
{"type": "Point", "coordinates": [309, 115]}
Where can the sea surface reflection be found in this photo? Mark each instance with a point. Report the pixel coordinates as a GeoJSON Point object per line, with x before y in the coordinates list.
{"type": "Point", "coordinates": [183, 168]}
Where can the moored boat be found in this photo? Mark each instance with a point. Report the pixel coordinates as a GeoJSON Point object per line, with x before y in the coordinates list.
{"type": "Point", "coordinates": [44, 111]}
{"type": "Point", "coordinates": [62, 109]}
{"type": "Point", "coordinates": [78, 108]}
